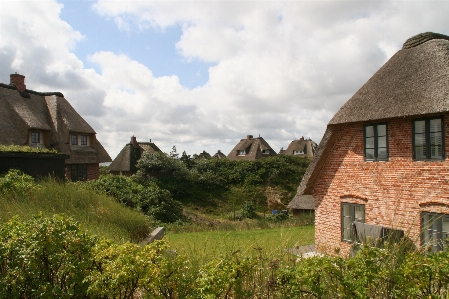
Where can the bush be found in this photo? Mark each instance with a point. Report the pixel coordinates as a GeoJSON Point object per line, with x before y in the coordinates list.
{"type": "Point", "coordinates": [44, 258]}
{"type": "Point", "coordinates": [150, 199]}
{"type": "Point", "coordinates": [16, 181]}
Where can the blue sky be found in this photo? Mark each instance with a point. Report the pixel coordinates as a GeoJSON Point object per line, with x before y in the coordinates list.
{"type": "Point", "coordinates": [201, 75]}
{"type": "Point", "coordinates": [156, 48]}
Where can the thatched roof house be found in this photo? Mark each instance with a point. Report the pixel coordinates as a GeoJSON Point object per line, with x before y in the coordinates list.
{"type": "Point", "coordinates": [46, 119]}
{"type": "Point", "coordinates": [251, 149]}
{"type": "Point", "coordinates": [302, 204]}
{"type": "Point", "coordinates": [382, 161]}
{"type": "Point", "coordinates": [204, 155]}
{"type": "Point", "coordinates": [219, 155]}
{"type": "Point", "coordinates": [300, 148]}
{"type": "Point", "coordinates": [415, 81]}
{"type": "Point", "coordinates": [126, 160]}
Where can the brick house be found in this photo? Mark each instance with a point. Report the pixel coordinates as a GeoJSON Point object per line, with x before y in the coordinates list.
{"type": "Point", "coordinates": [382, 161]}
{"type": "Point", "coordinates": [47, 120]}
{"type": "Point", "coordinates": [126, 161]}
{"type": "Point", "coordinates": [251, 149]}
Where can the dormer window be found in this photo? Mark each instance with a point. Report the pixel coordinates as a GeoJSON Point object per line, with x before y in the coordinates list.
{"type": "Point", "coordinates": [35, 138]}
{"type": "Point", "coordinates": [83, 139]}
{"type": "Point", "coordinates": [298, 152]}
{"type": "Point", "coordinates": [266, 152]}
{"type": "Point", "coordinates": [242, 152]}
{"type": "Point", "coordinates": [74, 139]}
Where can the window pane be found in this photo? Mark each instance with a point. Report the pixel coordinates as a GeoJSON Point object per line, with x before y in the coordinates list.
{"type": "Point", "coordinates": [369, 154]}
{"type": "Point", "coordinates": [420, 126]}
{"type": "Point", "coordinates": [435, 125]}
{"type": "Point", "coordinates": [347, 234]}
{"type": "Point", "coordinates": [360, 213]}
{"type": "Point", "coordinates": [369, 131]}
{"type": "Point", "coordinates": [382, 130]}
{"type": "Point", "coordinates": [347, 210]}
{"type": "Point", "coordinates": [382, 153]}
{"type": "Point", "coordinates": [382, 141]}
{"type": "Point", "coordinates": [369, 142]}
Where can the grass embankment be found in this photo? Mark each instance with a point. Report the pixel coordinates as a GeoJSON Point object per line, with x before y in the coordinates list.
{"type": "Point", "coordinates": [98, 214]}
{"type": "Point", "coordinates": [205, 246]}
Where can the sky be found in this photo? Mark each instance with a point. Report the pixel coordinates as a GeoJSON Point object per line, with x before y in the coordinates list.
{"type": "Point", "coordinates": [201, 75]}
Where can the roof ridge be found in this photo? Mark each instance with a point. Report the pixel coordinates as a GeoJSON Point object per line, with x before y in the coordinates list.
{"type": "Point", "coordinates": [53, 93]}
{"type": "Point", "coordinates": [421, 38]}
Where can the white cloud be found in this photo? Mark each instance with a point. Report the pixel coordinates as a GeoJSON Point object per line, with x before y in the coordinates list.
{"type": "Point", "coordinates": [281, 68]}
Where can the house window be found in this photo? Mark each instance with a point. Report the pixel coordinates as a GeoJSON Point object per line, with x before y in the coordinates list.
{"type": "Point", "coordinates": [428, 139]}
{"type": "Point", "coordinates": [83, 139]}
{"type": "Point", "coordinates": [35, 137]}
{"type": "Point", "coordinates": [242, 153]}
{"type": "Point", "coordinates": [376, 143]}
{"type": "Point", "coordinates": [266, 151]}
{"type": "Point", "coordinates": [298, 152]}
{"type": "Point", "coordinates": [79, 172]}
{"type": "Point", "coordinates": [74, 139]}
{"type": "Point", "coordinates": [435, 231]}
{"type": "Point", "coordinates": [350, 213]}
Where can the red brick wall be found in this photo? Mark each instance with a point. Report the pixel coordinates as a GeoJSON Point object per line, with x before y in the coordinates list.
{"type": "Point", "coordinates": [393, 192]}
{"type": "Point", "coordinates": [93, 171]}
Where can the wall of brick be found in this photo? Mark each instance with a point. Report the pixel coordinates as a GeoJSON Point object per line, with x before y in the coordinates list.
{"type": "Point", "coordinates": [394, 192]}
{"type": "Point", "coordinates": [93, 171]}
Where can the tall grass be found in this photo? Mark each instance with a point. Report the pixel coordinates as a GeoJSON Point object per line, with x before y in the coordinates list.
{"type": "Point", "coordinates": [202, 247]}
{"type": "Point", "coordinates": [98, 214]}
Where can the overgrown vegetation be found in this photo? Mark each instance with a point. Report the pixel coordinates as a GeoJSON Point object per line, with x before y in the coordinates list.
{"type": "Point", "coordinates": [223, 186]}
{"type": "Point", "coordinates": [52, 257]}
{"type": "Point", "coordinates": [99, 214]}
{"type": "Point", "coordinates": [26, 149]}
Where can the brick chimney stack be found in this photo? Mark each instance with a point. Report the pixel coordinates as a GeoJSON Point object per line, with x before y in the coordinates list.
{"type": "Point", "coordinates": [18, 81]}
{"type": "Point", "coordinates": [249, 137]}
{"type": "Point", "coordinates": [134, 141]}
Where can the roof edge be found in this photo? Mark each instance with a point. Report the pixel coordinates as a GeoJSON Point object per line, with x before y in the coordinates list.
{"type": "Point", "coordinates": [421, 38]}
{"type": "Point", "coordinates": [44, 94]}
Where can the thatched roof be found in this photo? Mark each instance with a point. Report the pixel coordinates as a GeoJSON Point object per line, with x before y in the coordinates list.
{"type": "Point", "coordinates": [413, 82]}
{"type": "Point", "coordinates": [127, 159]}
{"type": "Point", "coordinates": [307, 146]}
{"type": "Point", "coordinates": [22, 111]}
{"type": "Point", "coordinates": [204, 155]}
{"type": "Point", "coordinates": [253, 148]}
{"type": "Point", "coordinates": [219, 155]}
{"type": "Point", "coordinates": [302, 202]}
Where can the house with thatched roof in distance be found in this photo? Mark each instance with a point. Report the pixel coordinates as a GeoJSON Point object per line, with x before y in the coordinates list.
{"type": "Point", "coordinates": [203, 155]}
{"type": "Point", "coordinates": [251, 148]}
{"type": "Point", "coordinates": [302, 204]}
{"type": "Point", "coordinates": [381, 168]}
{"type": "Point", "coordinates": [47, 120]}
{"type": "Point", "coordinates": [126, 161]}
{"type": "Point", "coordinates": [300, 148]}
{"type": "Point", "coordinates": [219, 155]}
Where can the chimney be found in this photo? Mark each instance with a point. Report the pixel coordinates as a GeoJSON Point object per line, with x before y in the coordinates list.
{"type": "Point", "coordinates": [18, 81]}
{"type": "Point", "coordinates": [302, 138]}
{"type": "Point", "coordinates": [134, 141]}
{"type": "Point", "coordinates": [249, 137]}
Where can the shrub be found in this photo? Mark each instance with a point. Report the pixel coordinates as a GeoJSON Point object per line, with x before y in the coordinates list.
{"type": "Point", "coordinates": [44, 258]}
{"type": "Point", "coordinates": [16, 181]}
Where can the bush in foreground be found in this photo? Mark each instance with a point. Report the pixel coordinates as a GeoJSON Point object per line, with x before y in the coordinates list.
{"type": "Point", "coordinates": [53, 258]}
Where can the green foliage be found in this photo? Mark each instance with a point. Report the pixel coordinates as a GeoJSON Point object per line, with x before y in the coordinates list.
{"type": "Point", "coordinates": [99, 213]}
{"type": "Point", "coordinates": [16, 181]}
{"type": "Point", "coordinates": [44, 258]}
{"type": "Point", "coordinates": [148, 198]}
{"type": "Point", "coordinates": [26, 149]}
{"type": "Point", "coordinates": [51, 257]}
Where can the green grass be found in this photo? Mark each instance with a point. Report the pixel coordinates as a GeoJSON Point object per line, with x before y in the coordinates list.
{"type": "Point", "coordinates": [204, 246]}
{"type": "Point", "coordinates": [98, 214]}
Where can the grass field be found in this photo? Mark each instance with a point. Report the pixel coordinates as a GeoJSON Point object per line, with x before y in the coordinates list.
{"type": "Point", "coordinates": [204, 246]}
